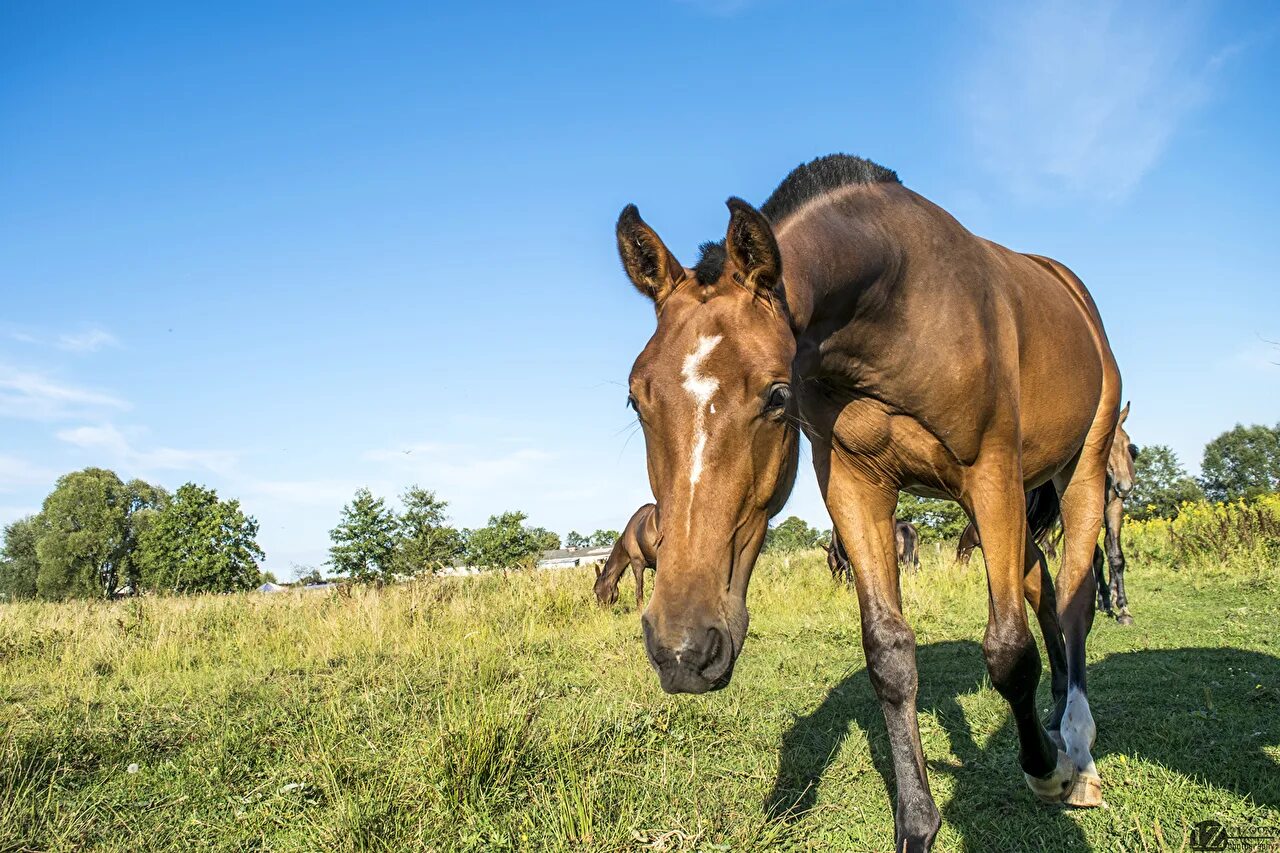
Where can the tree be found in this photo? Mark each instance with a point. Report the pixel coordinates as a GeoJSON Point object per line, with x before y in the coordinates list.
{"type": "Point", "coordinates": [364, 542]}
{"type": "Point", "coordinates": [603, 538]}
{"type": "Point", "coordinates": [19, 565]}
{"type": "Point", "coordinates": [547, 540]}
{"type": "Point", "coordinates": [935, 519]}
{"type": "Point", "coordinates": [197, 543]}
{"type": "Point", "coordinates": [1242, 463]}
{"type": "Point", "coordinates": [426, 542]}
{"type": "Point", "coordinates": [792, 534]}
{"type": "Point", "coordinates": [1160, 485]}
{"type": "Point", "coordinates": [576, 540]}
{"type": "Point", "coordinates": [308, 575]}
{"type": "Point", "coordinates": [89, 535]}
{"type": "Point", "coordinates": [503, 543]}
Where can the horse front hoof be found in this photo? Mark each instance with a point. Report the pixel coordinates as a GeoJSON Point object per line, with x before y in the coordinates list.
{"type": "Point", "coordinates": [1058, 786]}
{"type": "Point", "coordinates": [1086, 792]}
{"type": "Point", "coordinates": [1124, 619]}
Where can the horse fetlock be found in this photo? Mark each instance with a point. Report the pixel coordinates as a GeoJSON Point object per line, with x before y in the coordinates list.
{"type": "Point", "coordinates": [1057, 786]}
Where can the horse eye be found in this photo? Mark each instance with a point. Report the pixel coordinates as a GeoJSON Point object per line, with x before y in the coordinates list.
{"type": "Point", "coordinates": [1133, 451]}
{"type": "Point", "coordinates": [632, 404]}
{"type": "Point", "coordinates": [779, 397]}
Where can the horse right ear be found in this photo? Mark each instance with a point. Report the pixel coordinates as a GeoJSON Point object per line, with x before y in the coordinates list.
{"type": "Point", "coordinates": [651, 267]}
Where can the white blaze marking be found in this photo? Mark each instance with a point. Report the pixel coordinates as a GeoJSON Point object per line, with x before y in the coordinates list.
{"type": "Point", "coordinates": [701, 388]}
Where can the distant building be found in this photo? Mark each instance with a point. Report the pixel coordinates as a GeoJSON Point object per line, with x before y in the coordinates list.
{"type": "Point", "coordinates": [568, 558]}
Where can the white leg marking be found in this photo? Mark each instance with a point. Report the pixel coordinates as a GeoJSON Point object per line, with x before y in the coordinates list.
{"type": "Point", "coordinates": [701, 388]}
{"type": "Point", "coordinates": [1079, 732]}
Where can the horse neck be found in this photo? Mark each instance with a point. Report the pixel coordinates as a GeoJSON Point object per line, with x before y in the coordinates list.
{"type": "Point", "coordinates": [838, 261]}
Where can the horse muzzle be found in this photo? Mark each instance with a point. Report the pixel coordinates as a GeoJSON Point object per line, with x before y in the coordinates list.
{"type": "Point", "coordinates": [700, 661]}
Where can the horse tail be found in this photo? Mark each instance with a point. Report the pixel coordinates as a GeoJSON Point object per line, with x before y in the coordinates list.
{"type": "Point", "coordinates": [1043, 512]}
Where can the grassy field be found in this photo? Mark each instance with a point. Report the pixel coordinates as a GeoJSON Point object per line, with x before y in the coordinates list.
{"type": "Point", "coordinates": [510, 712]}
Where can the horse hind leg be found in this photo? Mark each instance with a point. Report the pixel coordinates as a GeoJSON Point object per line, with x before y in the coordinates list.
{"type": "Point", "coordinates": [1037, 587]}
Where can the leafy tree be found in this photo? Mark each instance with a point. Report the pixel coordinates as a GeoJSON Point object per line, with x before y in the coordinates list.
{"type": "Point", "coordinates": [19, 565]}
{"type": "Point", "coordinates": [198, 543]}
{"type": "Point", "coordinates": [576, 540]}
{"type": "Point", "coordinates": [503, 543]}
{"type": "Point", "coordinates": [935, 519]}
{"type": "Point", "coordinates": [89, 536]}
{"type": "Point", "coordinates": [792, 534]}
{"type": "Point", "coordinates": [603, 538]}
{"type": "Point", "coordinates": [547, 540]}
{"type": "Point", "coordinates": [1160, 485]}
{"type": "Point", "coordinates": [1242, 463]}
{"type": "Point", "coordinates": [426, 542]}
{"type": "Point", "coordinates": [364, 542]}
{"type": "Point", "coordinates": [308, 575]}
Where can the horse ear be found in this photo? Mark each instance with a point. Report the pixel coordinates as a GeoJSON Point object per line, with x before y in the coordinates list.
{"type": "Point", "coordinates": [649, 264]}
{"type": "Point", "coordinates": [752, 248]}
{"type": "Point", "coordinates": [1124, 413]}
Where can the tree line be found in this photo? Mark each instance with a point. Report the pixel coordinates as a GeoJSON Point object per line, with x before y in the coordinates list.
{"type": "Point", "coordinates": [97, 536]}
{"type": "Point", "coordinates": [373, 541]}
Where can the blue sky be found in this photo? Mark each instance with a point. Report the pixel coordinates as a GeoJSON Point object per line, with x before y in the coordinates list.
{"type": "Point", "coordinates": [273, 247]}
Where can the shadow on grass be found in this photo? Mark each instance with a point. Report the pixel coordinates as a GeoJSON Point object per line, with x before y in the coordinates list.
{"type": "Point", "coordinates": [1205, 713]}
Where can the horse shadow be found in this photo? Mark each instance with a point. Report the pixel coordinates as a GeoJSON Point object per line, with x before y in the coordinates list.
{"type": "Point", "coordinates": [1205, 713]}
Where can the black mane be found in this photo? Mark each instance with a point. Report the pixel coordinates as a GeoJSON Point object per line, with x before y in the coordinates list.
{"type": "Point", "coordinates": [805, 183]}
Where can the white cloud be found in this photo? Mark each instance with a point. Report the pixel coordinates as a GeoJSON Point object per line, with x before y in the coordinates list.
{"type": "Point", "coordinates": [120, 451]}
{"type": "Point", "coordinates": [1084, 97]}
{"type": "Point", "coordinates": [90, 340]}
{"type": "Point", "coordinates": [31, 395]}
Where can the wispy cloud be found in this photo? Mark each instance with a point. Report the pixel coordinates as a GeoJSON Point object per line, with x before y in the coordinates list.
{"type": "Point", "coordinates": [119, 450]}
{"type": "Point", "coordinates": [90, 340]}
{"type": "Point", "coordinates": [1084, 97]}
{"type": "Point", "coordinates": [32, 395]}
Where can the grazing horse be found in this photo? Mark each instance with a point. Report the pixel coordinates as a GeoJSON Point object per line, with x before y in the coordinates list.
{"type": "Point", "coordinates": [906, 536]}
{"type": "Point", "coordinates": [915, 356]}
{"type": "Point", "coordinates": [1120, 480]}
{"type": "Point", "coordinates": [637, 547]}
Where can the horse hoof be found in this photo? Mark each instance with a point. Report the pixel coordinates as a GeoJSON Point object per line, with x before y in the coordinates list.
{"type": "Point", "coordinates": [1058, 786]}
{"type": "Point", "coordinates": [1124, 619]}
{"type": "Point", "coordinates": [1086, 792]}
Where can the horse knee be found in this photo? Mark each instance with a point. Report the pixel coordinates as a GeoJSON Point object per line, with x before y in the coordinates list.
{"type": "Point", "coordinates": [1013, 661]}
{"type": "Point", "coordinates": [890, 646]}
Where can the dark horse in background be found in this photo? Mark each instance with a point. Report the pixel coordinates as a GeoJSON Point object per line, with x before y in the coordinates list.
{"type": "Point", "coordinates": [907, 539]}
{"type": "Point", "coordinates": [1120, 480]}
{"type": "Point", "coordinates": [637, 547]}
{"type": "Point", "coordinates": [915, 356]}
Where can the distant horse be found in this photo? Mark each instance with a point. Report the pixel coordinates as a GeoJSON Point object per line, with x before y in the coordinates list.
{"type": "Point", "coordinates": [1120, 480]}
{"type": "Point", "coordinates": [908, 541]}
{"type": "Point", "coordinates": [915, 356]}
{"type": "Point", "coordinates": [637, 547]}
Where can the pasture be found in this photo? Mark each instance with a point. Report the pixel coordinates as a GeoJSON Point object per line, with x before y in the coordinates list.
{"type": "Point", "coordinates": [510, 712]}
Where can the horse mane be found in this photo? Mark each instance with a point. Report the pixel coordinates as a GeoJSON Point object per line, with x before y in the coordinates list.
{"type": "Point", "coordinates": [804, 183]}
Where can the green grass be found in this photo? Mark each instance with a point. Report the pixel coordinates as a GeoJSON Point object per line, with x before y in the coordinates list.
{"type": "Point", "coordinates": [500, 713]}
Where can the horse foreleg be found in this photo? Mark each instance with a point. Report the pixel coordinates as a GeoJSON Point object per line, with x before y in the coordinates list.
{"type": "Point", "coordinates": [1114, 518]}
{"type": "Point", "coordinates": [1013, 662]}
{"type": "Point", "coordinates": [863, 514]}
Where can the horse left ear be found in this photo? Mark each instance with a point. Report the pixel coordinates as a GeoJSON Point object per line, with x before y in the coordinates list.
{"type": "Point", "coordinates": [1124, 413]}
{"type": "Point", "coordinates": [751, 246]}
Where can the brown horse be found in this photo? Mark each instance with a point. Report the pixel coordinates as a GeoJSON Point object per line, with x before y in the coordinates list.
{"type": "Point", "coordinates": [915, 356]}
{"type": "Point", "coordinates": [1120, 479]}
{"type": "Point", "coordinates": [906, 536]}
{"type": "Point", "coordinates": [637, 547]}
